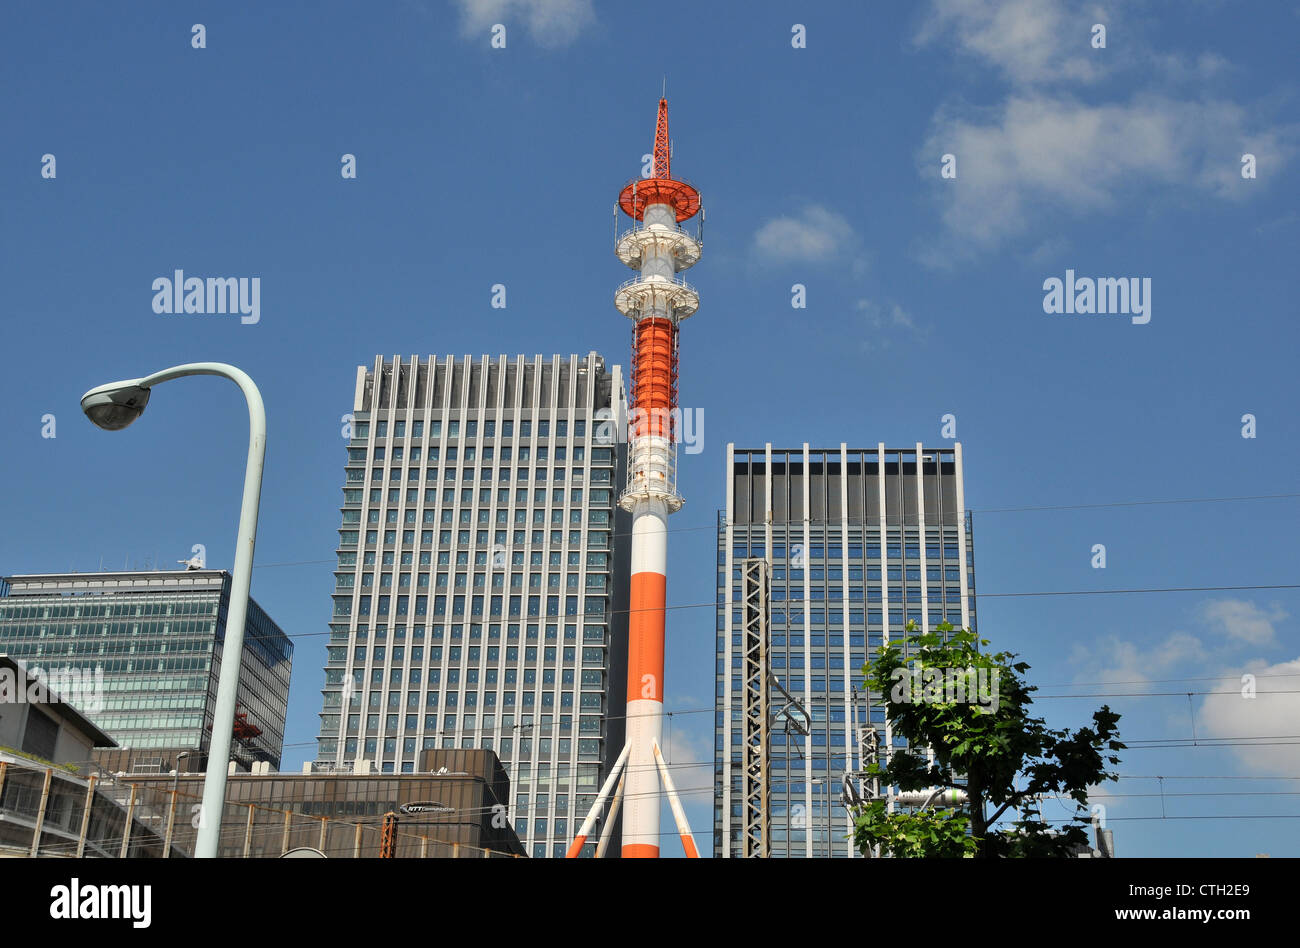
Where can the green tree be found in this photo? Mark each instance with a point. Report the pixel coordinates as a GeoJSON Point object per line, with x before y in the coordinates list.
{"type": "Point", "coordinates": [971, 709]}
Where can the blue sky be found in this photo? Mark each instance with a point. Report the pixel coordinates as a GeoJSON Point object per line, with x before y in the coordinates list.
{"type": "Point", "coordinates": [819, 166]}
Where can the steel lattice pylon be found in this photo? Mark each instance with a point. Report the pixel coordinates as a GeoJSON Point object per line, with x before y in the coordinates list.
{"type": "Point", "coordinates": [754, 638]}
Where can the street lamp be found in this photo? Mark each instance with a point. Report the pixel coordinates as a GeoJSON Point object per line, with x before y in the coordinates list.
{"type": "Point", "coordinates": [176, 771]}
{"type": "Point", "coordinates": [113, 407]}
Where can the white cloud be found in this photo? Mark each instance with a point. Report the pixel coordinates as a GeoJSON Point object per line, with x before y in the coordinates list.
{"type": "Point", "coordinates": [1180, 68]}
{"type": "Point", "coordinates": [549, 22]}
{"type": "Point", "coordinates": [1270, 718]}
{"type": "Point", "coordinates": [1271, 714]}
{"type": "Point", "coordinates": [1042, 151]}
{"type": "Point", "coordinates": [1114, 659]}
{"type": "Point", "coordinates": [1048, 250]}
{"type": "Point", "coordinates": [884, 321]}
{"type": "Point", "coordinates": [815, 235]}
{"type": "Point", "coordinates": [1038, 152]}
{"type": "Point", "coordinates": [689, 752]}
{"type": "Point", "coordinates": [1232, 625]}
{"type": "Point", "coordinates": [1028, 40]}
{"type": "Point", "coordinates": [1286, 220]}
{"type": "Point", "coordinates": [1034, 42]}
{"type": "Point", "coordinates": [1243, 622]}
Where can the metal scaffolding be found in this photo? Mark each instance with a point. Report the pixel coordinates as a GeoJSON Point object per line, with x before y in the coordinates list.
{"type": "Point", "coordinates": [756, 671]}
{"type": "Point", "coordinates": [759, 685]}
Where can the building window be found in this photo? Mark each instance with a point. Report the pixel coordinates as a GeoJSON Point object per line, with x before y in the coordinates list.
{"type": "Point", "coordinates": [41, 736]}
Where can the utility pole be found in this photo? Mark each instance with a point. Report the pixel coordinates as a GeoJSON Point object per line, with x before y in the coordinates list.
{"type": "Point", "coordinates": [388, 837]}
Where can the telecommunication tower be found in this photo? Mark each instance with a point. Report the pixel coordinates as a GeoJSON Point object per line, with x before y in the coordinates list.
{"type": "Point", "coordinates": [656, 300]}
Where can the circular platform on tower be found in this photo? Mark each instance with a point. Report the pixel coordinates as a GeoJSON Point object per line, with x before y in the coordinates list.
{"type": "Point", "coordinates": [642, 192]}
{"type": "Point", "coordinates": [632, 245]}
{"type": "Point", "coordinates": [638, 298]}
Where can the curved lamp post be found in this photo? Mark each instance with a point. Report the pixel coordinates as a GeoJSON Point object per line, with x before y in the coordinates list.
{"type": "Point", "coordinates": [113, 407]}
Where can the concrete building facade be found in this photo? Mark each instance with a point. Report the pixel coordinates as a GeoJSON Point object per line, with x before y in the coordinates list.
{"type": "Point", "coordinates": [478, 601]}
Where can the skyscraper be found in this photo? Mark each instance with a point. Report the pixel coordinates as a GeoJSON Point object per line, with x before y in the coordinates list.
{"type": "Point", "coordinates": [476, 602]}
{"type": "Point", "coordinates": [147, 647]}
{"type": "Point", "coordinates": [858, 542]}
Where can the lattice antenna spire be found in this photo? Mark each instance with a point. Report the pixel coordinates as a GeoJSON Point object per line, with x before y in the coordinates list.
{"type": "Point", "coordinates": [663, 156]}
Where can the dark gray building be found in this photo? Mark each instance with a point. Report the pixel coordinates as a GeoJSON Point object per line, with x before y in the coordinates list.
{"type": "Point", "coordinates": [477, 599]}
{"type": "Point", "coordinates": [145, 649]}
{"type": "Point", "coordinates": [858, 542]}
{"type": "Point", "coordinates": [454, 806]}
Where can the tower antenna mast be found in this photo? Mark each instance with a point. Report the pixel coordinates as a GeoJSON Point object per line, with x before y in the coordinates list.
{"type": "Point", "coordinates": [656, 301]}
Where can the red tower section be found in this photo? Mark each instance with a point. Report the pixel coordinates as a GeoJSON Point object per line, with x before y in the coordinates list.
{"type": "Point", "coordinates": [660, 188]}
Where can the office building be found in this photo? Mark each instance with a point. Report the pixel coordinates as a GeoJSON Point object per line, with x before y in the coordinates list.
{"type": "Point", "coordinates": [857, 543]}
{"type": "Point", "coordinates": [144, 650]}
{"type": "Point", "coordinates": [476, 601]}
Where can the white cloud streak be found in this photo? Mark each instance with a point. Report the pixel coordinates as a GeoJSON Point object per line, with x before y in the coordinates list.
{"type": "Point", "coordinates": [1270, 714]}
{"type": "Point", "coordinates": [550, 23]}
{"type": "Point", "coordinates": [814, 235]}
{"type": "Point", "coordinates": [1027, 40]}
{"type": "Point", "coordinates": [1238, 621]}
{"type": "Point", "coordinates": [882, 323]}
{"type": "Point", "coordinates": [1039, 152]}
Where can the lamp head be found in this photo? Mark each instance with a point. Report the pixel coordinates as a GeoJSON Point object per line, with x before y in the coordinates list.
{"type": "Point", "coordinates": [115, 405]}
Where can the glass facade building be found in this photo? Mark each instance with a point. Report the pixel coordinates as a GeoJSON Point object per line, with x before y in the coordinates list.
{"type": "Point", "coordinates": [476, 600]}
{"type": "Point", "coordinates": [154, 639]}
{"type": "Point", "coordinates": [858, 542]}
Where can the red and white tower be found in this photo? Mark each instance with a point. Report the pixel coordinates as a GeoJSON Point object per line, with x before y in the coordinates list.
{"type": "Point", "coordinates": [656, 300]}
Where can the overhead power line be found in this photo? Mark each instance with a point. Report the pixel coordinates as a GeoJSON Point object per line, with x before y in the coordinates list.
{"type": "Point", "coordinates": [1162, 681]}
{"type": "Point", "coordinates": [1137, 503]}
{"type": "Point", "coordinates": [567, 618]}
{"type": "Point", "coordinates": [1120, 592]}
{"type": "Point", "coordinates": [862, 521]}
